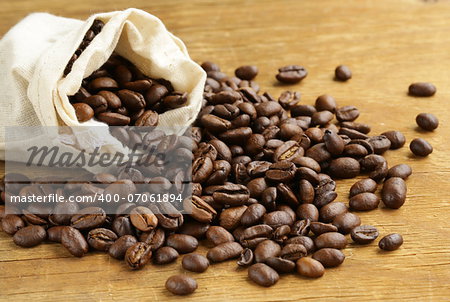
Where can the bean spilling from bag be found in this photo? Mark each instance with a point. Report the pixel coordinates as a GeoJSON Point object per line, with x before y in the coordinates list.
{"type": "Point", "coordinates": [263, 172]}
{"type": "Point", "coordinates": [119, 94]}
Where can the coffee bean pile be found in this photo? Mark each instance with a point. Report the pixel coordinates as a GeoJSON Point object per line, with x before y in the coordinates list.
{"type": "Point", "coordinates": [263, 174]}
{"type": "Point", "coordinates": [119, 94]}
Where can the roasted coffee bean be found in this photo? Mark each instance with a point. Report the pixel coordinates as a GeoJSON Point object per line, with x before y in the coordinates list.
{"type": "Point", "coordinates": [202, 168]}
{"type": "Point", "coordinates": [194, 228]}
{"type": "Point", "coordinates": [210, 66]}
{"type": "Point", "coordinates": [255, 144]}
{"type": "Point", "coordinates": [301, 227]}
{"type": "Point", "coordinates": [315, 134]}
{"type": "Point", "coordinates": [54, 233]}
{"type": "Point", "coordinates": [122, 226]}
{"type": "Point", "coordinates": [283, 171]}
{"type": "Point", "coordinates": [396, 138]}
{"type": "Point", "coordinates": [218, 235]}
{"type": "Point", "coordinates": [155, 238]}
{"type": "Point", "coordinates": [393, 193]}
{"type": "Point", "coordinates": [307, 211]}
{"type": "Point", "coordinates": [260, 231]}
{"type": "Point", "coordinates": [308, 174]}
{"type": "Point", "coordinates": [342, 73]}
{"type": "Point", "coordinates": [225, 97]}
{"type": "Point", "coordinates": [364, 234]}
{"type": "Point", "coordinates": [352, 134]}
{"type": "Point", "coordinates": [319, 153]}
{"type": "Point", "coordinates": [114, 119]}
{"type": "Point", "coordinates": [347, 114]}
{"type": "Point", "coordinates": [132, 100]}
{"type": "Point", "coordinates": [256, 187]}
{"type": "Point", "coordinates": [224, 251]}
{"type": "Point", "coordinates": [231, 194]}
{"type": "Point", "coordinates": [199, 209]}
{"type": "Point", "coordinates": [319, 228]}
{"type": "Point", "coordinates": [147, 119]}
{"type": "Point", "coordinates": [74, 241]}
{"type": "Point", "coordinates": [103, 83]}
{"type": "Point", "coordinates": [355, 150]}
{"type": "Point", "coordinates": [364, 202]}
{"type": "Point", "coordinates": [330, 211]}
{"type": "Point", "coordinates": [223, 151]}
{"type": "Point", "coordinates": [263, 274]}
{"type": "Point", "coordinates": [88, 218]}
{"type": "Point", "coordinates": [12, 223]}
{"type": "Point", "coordinates": [391, 242]}
{"type": "Point", "coordinates": [246, 258]}
{"type": "Point", "coordinates": [380, 144]}
{"type": "Point", "coordinates": [155, 94]}
{"type": "Point", "coordinates": [345, 222]}
{"type": "Point", "coordinates": [195, 263]}
{"type": "Point", "coordinates": [321, 118]}
{"type": "Point", "coordinates": [422, 89]}
{"type": "Point", "coordinates": [372, 162]}
{"type": "Point", "coordinates": [427, 121]}
{"type": "Point", "coordinates": [306, 191]}
{"type": "Point", "coordinates": [331, 240]}
{"type": "Point", "coordinates": [363, 186]}
{"type": "Point", "coordinates": [181, 285]}
{"type": "Point", "coordinates": [236, 136]}
{"type": "Point", "coordinates": [101, 239]}
{"type": "Point", "coordinates": [112, 100]}
{"type": "Point", "coordinates": [226, 111]}
{"type": "Point", "coordinates": [325, 102]}
{"type": "Point", "coordinates": [143, 218]}
{"type": "Point", "coordinates": [118, 249]}
{"type": "Point", "coordinates": [401, 170]}
{"type": "Point", "coordinates": [138, 255]}
{"type": "Point", "coordinates": [420, 147]}
{"type": "Point", "coordinates": [266, 249]}
{"type": "Point", "coordinates": [253, 214]}
{"type": "Point", "coordinates": [83, 111]}
{"type": "Point", "coordinates": [293, 252]}
{"type": "Point", "coordinates": [289, 99]}
{"type": "Point", "coordinates": [165, 255]}
{"type": "Point", "coordinates": [215, 124]}
{"type": "Point", "coordinates": [344, 167]}
{"type": "Point", "coordinates": [182, 243]}
{"type": "Point", "coordinates": [360, 127]}
{"type": "Point", "coordinates": [329, 257]}
{"type": "Point", "coordinates": [309, 267]}
{"type": "Point", "coordinates": [291, 74]}
{"type": "Point", "coordinates": [97, 102]}
{"type": "Point", "coordinates": [281, 265]}
{"type": "Point", "coordinates": [246, 72]}
{"type": "Point", "coordinates": [175, 100]}
{"type": "Point", "coordinates": [333, 142]}
{"type": "Point", "coordinates": [30, 236]}
{"type": "Point", "coordinates": [230, 218]}
{"type": "Point", "coordinates": [278, 218]}
{"type": "Point", "coordinates": [268, 108]}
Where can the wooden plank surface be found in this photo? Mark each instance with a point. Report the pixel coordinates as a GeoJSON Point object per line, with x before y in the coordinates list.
{"type": "Point", "coordinates": [388, 44]}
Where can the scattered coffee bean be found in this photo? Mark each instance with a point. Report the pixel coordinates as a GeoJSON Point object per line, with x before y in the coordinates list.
{"type": "Point", "coordinates": [263, 274]}
{"type": "Point", "coordinates": [329, 257]}
{"type": "Point", "coordinates": [363, 186]}
{"type": "Point", "coordinates": [343, 73]}
{"type": "Point", "coordinates": [364, 202]}
{"type": "Point", "coordinates": [309, 267]}
{"type": "Point", "coordinates": [393, 193]}
{"type": "Point", "coordinates": [182, 243]}
{"type": "Point", "coordinates": [291, 74]}
{"type": "Point", "coordinates": [420, 147]}
{"type": "Point", "coordinates": [138, 255]}
{"type": "Point", "coordinates": [224, 251]}
{"type": "Point", "coordinates": [74, 241]}
{"type": "Point", "coordinates": [195, 263]}
{"type": "Point", "coordinates": [391, 242]}
{"type": "Point", "coordinates": [427, 121]}
{"type": "Point", "coordinates": [422, 89]}
{"type": "Point", "coordinates": [30, 236]}
{"type": "Point", "coordinates": [120, 246]}
{"type": "Point", "coordinates": [247, 72]}
{"type": "Point", "coordinates": [181, 285]}
{"type": "Point", "coordinates": [364, 234]}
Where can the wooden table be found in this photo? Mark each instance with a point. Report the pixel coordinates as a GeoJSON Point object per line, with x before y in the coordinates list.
{"type": "Point", "coordinates": [388, 44]}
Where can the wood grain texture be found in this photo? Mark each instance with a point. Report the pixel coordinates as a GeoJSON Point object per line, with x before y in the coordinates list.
{"type": "Point", "coordinates": [388, 45]}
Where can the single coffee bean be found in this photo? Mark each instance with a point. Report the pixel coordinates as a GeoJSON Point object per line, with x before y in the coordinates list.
{"type": "Point", "coordinates": [420, 147]}
{"type": "Point", "coordinates": [360, 127]}
{"type": "Point", "coordinates": [278, 218]}
{"type": "Point", "coordinates": [352, 134]}
{"type": "Point", "coordinates": [246, 72]}
{"type": "Point", "coordinates": [30, 236]}
{"type": "Point", "coordinates": [330, 211]}
{"type": "Point", "coordinates": [331, 240]}
{"type": "Point", "coordinates": [333, 142]}
{"type": "Point", "coordinates": [401, 170]}
{"type": "Point", "coordinates": [346, 222]}
{"type": "Point", "coordinates": [282, 266]}
{"type": "Point", "coordinates": [231, 195]}
{"type": "Point", "coordinates": [319, 228]}
{"type": "Point", "coordinates": [88, 218]}
{"type": "Point", "coordinates": [325, 102]}
{"type": "Point", "coordinates": [364, 202]}
{"type": "Point", "coordinates": [74, 241]}
{"type": "Point", "coordinates": [195, 263]}
{"type": "Point", "coordinates": [253, 214]}
{"type": "Point", "coordinates": [380, 144]}
{"type": "Point", "coordinates": [396, 138]}
{"type": "Point", "coordinates": [230, 218]}
{"type": "Point", "coordinates": [103, 83]}
{"type": "Point", "coordinates": [422, 89]}
{"type": "Point", "coordinates": [427, 121]}
{"type": "Point", "coordinates": [97, 102]}
{"type": "Point", "coordinates": [147, 119]}
{"type": "Point", "coordinates": [344, 167]}
{"type": "Point", "coordinates": [101, 239]}
{"type": "Point", "coordinates": [321, 118]}
{"type": "Point", "coordinates": [181, 285]}
{"type": "Point", "coordinates": [291, 74]}
{"type": "Point", "coordinates": [363, 186]}
{"type": "Point", "coordinates": [224, 251]}
{"type": "Point", "coordinates": [83, 111]}
{"type": "Point", "coordinates": [263, 274]}
{"type": "Point", "coordinates": [154, 238]}
{"type": "Point", "coordinates": [138, 255]}
{"type": "Point", "coordinates": [393, 193]}
{"type": "Point", "coordinates": [342, 73]}
{"type": "Point", "coordinates": [112, 100]}
{"type": "Point", "coordinates": [54, 233]}
{"type": "Point", "coordinates": [364, 234]}
{"type": "Point", "coordinates": [210, 66]}
{"type": "Point", "coordinates": [182, 243]}
{"type": "Point", "coordinates": [347, 114]}
{"type": "Point", "coordinates": [307, 211]}
{"type": "Point", "coordinates": [118, 249]}
{"type": "Point", "coordinates": [114, 119]}
{"type": "Point", "coordinates": [329, 257]}
{"type": "Point", "coordinates": [194, 228]}
{"type": "Point", "coordinates": [12, 223]}
{"type": "Point", "coordinates": [246, 258]}
{"type": "Point", "coordinates": [266, 249]}
{"type": "Point", "coordinates": [293, 252]}
{"type": "Point", "coordinates": [175, 100]}
{"type": "Point", "coordinates": [218, 235]}
{"type": "Point", "coordinates": [306, 191]}
{"type": "Point", "coordinates": [309, 267]}
{"type": "Point", "coordinates": [143, 219]}
{"type": "Point", "coordinates": [391, 242]}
